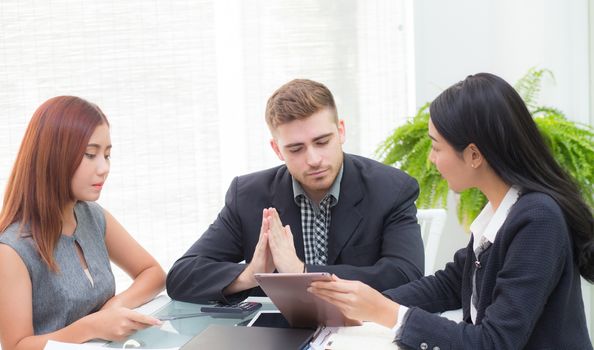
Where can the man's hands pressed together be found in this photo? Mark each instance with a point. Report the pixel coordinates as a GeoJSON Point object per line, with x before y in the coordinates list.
{"type": "Point", "coordinates": [262, 260]}
{"type": "Point", "coordinates": [275, 250]}
{"type": "Point", "coordinates": [280, 241]}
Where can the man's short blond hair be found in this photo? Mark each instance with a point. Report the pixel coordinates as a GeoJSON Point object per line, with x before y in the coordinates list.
{"type": "Point", "coordinates": [298, 99]}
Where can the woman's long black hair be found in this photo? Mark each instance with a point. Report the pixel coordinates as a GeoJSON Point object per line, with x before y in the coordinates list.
{"type": "Point", "coordinates": [485, 110]}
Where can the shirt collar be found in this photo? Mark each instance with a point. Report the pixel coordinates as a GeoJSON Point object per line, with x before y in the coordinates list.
{"type": "Point", "coordinates": [334, 189]}
{"type": "Point", "coordinates": [488, 223]}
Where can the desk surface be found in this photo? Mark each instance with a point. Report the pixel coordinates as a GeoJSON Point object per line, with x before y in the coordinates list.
{"type": "Point", "coordinates": [177, 332]}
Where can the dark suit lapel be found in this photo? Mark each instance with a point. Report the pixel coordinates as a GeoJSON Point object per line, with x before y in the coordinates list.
{"type": "Point", "coordinates": [290, 213]}
{"type": "Point", "coordinates": [346, 215]}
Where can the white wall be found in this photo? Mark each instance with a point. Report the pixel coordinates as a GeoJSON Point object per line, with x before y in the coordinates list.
{"type": "Point", "coordinates": [456, 38]}
{"type": "Point", "coordinates": [460, 37]}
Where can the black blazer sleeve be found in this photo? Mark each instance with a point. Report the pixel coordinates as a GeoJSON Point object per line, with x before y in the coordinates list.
{"type": "Point", "coordinates": [437, 293]}
{"type": "Point", "coordinates": [211, 263]}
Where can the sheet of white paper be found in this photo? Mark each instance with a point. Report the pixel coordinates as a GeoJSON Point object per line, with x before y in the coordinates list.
{"type": "Point", "coordinates": [321, 340]}
{"type": "Point", "coordinates": [56, 345]}
{"type": "Point", "coordinates": [153, 305]}
{"type": "Point", "coordinates": [368, 336]}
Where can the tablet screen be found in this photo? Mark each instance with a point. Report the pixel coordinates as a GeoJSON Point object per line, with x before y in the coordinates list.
{"type": "Point", "coordinates": [269, 318]}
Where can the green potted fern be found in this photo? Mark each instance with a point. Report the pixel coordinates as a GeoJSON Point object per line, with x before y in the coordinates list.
{"type": "Point", "coordinates": [572, 145]}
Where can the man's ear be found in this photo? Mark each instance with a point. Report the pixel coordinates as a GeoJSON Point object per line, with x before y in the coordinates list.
{"type": "Point", "coordinates": [276, 149]}
{"type": "Point", "coordinates": [341, 131]}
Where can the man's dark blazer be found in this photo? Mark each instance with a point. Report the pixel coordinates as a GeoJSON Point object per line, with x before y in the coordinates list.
{"type": "Point", "coordinates": [528, 288]}
{"type": "Point", "coordinates": [374, 236]}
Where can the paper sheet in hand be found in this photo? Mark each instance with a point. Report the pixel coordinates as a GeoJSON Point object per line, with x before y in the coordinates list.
{"type": "Point", "coordinates": [56, 345]}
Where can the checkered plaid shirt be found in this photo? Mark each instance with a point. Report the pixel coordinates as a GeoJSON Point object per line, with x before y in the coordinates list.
{"type": "Point", "coordinates": [315, 221]}
{"type": "Point", "coordinates": [315, 225]}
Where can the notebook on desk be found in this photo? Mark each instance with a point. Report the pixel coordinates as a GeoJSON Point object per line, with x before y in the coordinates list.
{"type": "Point", "coordinates": [223, 337]}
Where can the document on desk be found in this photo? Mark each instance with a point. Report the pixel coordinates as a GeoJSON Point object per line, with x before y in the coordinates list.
{"type": "Point", "coordinates": [367, 336]}
{"type": "Point", "coordinates": [56, 345]}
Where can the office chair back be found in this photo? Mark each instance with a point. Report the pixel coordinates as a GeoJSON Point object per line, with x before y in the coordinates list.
{"type": "Point", "coordinates": [432, 222]}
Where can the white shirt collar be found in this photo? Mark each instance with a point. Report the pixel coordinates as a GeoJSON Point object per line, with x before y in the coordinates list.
{"type": "Point", "coordinates": [488, 223]}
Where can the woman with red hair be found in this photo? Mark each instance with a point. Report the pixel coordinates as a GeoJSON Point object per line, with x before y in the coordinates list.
{"type": "Point", "coordinates": [56, 243]}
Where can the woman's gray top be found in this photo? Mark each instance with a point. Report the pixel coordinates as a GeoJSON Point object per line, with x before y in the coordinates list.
{"type": "Point", "coordinates": [62, 297]}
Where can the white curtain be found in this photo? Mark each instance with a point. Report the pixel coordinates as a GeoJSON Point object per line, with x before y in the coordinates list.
{"type": "Point", "coordinates": [184, 84]}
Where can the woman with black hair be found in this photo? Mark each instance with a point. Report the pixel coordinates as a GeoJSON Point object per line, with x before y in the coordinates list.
{"type": "Point", "coordinates": [518, 280]}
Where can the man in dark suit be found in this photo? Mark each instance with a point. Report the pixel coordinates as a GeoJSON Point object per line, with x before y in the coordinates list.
{"type": "Point", "coordinates": [342, 213]}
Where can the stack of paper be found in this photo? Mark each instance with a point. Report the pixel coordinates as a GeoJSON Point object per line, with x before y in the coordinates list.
{"type": "Point", "coordinates": [367, 336]}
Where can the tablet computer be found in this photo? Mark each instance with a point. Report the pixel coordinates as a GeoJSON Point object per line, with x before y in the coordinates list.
{"type": "Point", "coordinates": [288, 292]}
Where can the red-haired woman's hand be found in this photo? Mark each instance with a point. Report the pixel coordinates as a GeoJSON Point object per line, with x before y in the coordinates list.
{"type": "Point", "coordinates": [118, 323]}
